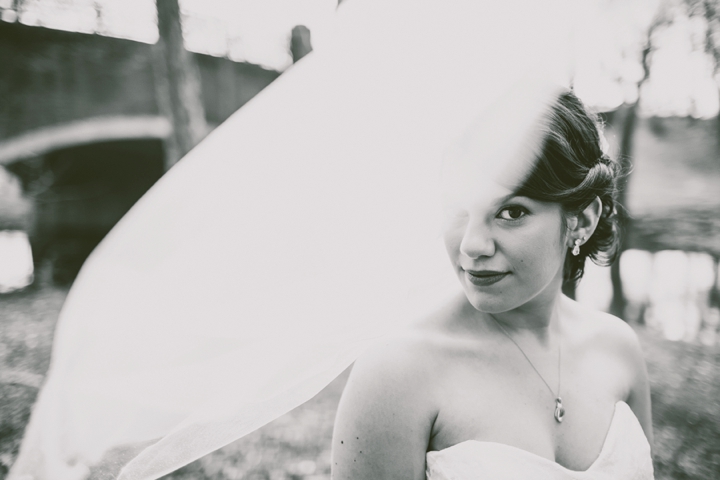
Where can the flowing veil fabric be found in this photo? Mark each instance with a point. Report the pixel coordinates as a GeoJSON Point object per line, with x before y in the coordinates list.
{"type": "Point", "coordinates": [298, 233]}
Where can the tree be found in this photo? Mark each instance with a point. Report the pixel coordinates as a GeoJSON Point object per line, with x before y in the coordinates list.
{"type": "Point", "coordinates": [300, 42]}
{"type": "Point", "coordinates": [709, 11]}
{"type": "Point", "coordinates": [628, 122]}
{"type": "Point", "coordinates": [178, 87]}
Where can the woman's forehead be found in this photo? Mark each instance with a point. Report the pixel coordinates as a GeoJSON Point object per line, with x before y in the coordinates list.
{"type": "Point", "coordinates": [497, 152]}
{"type": "Point", "coordinates": [485, 197]}
{"type": "Point", "coordinates": [466, 194]}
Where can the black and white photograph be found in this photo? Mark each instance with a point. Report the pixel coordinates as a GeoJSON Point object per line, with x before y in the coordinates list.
{"type": "Point", "coordinates": [359, 239]}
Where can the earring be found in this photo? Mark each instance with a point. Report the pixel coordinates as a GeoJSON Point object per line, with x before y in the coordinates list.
{"type": "Point", "coordinates": [576, 248]}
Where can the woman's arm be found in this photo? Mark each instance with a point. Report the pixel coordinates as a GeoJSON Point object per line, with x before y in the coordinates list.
{"type": "Point", "coordinates": [627, 345]}
{"type": "Point", "coordinates": [385, 417]}
{"type": "Point", "coordinates": [639, 398]}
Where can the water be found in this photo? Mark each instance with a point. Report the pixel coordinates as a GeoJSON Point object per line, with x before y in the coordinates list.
{"type": "Point", "coordinates": [16, 264]}
{"type": "Point", "coordinates": [670, 291]}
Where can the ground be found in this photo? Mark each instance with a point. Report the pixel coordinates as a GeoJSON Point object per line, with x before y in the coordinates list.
{"type": "Point", "coordinates": [685, 382]}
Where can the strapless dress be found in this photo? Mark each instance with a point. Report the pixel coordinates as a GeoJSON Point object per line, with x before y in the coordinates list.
{"type": "Point", "coordinates": [625, 455]}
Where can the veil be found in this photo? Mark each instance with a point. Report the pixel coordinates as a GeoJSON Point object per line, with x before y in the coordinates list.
{"type": "Point", "coordinates": [299, 232]}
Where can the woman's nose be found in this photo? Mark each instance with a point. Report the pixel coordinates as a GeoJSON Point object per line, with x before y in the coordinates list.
{"type": "Point", "coordinates": [477, 240]}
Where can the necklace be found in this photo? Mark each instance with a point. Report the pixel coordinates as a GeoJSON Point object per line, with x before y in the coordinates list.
{"type": "Point", "coordinates": [559, 409]}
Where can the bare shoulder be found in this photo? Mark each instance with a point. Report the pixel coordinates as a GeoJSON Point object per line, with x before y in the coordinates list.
{"type": "Point", "coordinates": [387, 411]}
{"type": "Point", "coordinates": [402, 367]}
{"type": "Point", "coordinates": [618, 341]}
{"type": "Point", "coordinates": [608, 332]}
{"type": "Point", "coordinates": [402, 354]}
{"type": "Point", "coordinates": [395, 372]}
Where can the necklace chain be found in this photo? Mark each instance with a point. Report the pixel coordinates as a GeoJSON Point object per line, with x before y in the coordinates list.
{"type": "Point", "coordinates": [559, 410]}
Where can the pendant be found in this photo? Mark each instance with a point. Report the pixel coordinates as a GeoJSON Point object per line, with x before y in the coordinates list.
{"type": "Point", "coordinates": [559, 410]}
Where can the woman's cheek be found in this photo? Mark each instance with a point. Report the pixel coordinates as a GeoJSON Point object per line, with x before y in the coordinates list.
{"type": "Point", "coordinates": [453, 231]}
{"type": "Point", "coordinates": [452, 239]}
{"type": "Point", "coordinates": [550, 251]}
{"type": "Point", "coordinates": [537, 251]}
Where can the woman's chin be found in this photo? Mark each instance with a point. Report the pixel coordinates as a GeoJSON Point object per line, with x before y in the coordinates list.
{"type": "Point", "coordinates": [491, 302]}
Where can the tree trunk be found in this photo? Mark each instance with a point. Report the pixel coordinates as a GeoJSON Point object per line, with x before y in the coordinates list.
{"type": "Point", "coordinates": [627, 132]}
{"type": "Point", "coordinates": [715, 290]}
{"type": "Point", "coordinates": [717, 128]}
{"type": "Point", "coordinates": [300, 42]}
{"type": "Point", "coordinates": [178, 87]}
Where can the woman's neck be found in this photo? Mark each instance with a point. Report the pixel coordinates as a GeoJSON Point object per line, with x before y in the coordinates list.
{"type": "Point", "coordinates": [538, 317]}
{"type": "Point", "coordinates": [541, 323]}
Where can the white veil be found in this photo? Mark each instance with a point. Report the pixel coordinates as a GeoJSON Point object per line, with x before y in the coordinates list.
{"type": "Point", "coordinates": [296, 234]}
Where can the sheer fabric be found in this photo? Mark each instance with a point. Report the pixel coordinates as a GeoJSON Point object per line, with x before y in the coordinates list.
{"type": "Point", "coordinates": [295, 235]}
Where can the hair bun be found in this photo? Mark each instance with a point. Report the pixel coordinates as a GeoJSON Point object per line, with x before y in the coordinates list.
{"type": "Point", "coordinates": [573, 169]}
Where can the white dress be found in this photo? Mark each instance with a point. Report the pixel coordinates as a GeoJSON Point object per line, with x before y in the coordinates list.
{"type": "Point", "coordinates": [625, 455]}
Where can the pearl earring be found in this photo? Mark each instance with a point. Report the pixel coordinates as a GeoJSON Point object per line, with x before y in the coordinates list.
{"type": "Point", "coordinates": [576, 248]}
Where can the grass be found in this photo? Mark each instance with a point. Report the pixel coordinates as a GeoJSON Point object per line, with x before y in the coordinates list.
{"type": "Point", "coordinates": [27, 323]}
{"type": "Point", "coordinates": [685, 382]}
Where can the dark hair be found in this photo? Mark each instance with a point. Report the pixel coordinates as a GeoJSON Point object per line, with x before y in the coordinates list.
{"type": "Point", "coordinates": [573, 170]}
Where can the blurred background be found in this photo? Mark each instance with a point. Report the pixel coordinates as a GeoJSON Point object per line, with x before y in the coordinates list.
{"type": "Point", "coordinates": [98, 98]}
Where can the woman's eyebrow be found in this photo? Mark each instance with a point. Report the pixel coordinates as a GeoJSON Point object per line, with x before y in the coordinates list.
{"type": "Point", "coordinates": [514, 196]}
{"type": "Point", "coordinates": [507, 198]}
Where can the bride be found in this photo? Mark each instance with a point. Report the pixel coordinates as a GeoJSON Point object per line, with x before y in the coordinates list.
{"type": "Point", "coordinates": [511, 379]}
{"type": "Point", "coordinates": [306, 229]}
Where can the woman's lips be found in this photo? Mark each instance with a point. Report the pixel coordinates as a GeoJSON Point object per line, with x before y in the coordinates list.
{"type": "Point", "coordinates": [484, 278]}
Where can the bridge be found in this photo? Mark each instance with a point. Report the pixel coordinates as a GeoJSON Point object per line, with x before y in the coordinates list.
{"type": "Point", "coordinates": [81, 127]}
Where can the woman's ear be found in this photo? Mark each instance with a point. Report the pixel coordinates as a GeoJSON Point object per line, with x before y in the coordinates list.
{"type": "Point", "coordinates": [584, 224]}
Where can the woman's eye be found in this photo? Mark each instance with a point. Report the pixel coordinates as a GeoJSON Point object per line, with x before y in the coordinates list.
{"type": "Point", "coordinates": [512, 213]}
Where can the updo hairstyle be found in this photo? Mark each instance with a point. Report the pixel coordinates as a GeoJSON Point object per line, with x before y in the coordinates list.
{"type": "Point", "coordinates": [572, 170]}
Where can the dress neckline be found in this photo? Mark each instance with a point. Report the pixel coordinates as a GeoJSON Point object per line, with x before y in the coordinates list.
{"type": "Point", "coordinates": [540, 458]}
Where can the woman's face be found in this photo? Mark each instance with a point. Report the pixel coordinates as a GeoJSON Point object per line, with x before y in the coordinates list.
{"type": "Point", "coordinates": [506, 250]}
